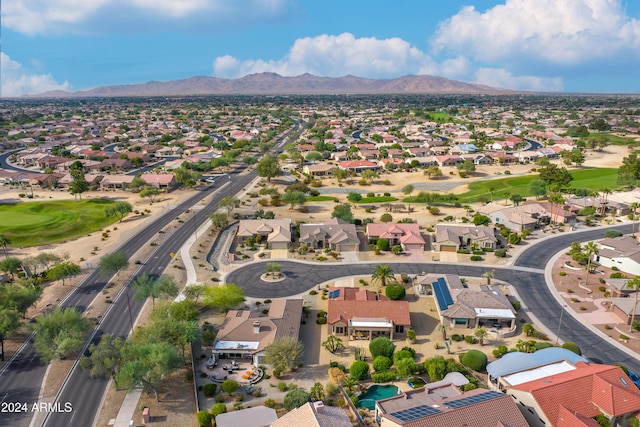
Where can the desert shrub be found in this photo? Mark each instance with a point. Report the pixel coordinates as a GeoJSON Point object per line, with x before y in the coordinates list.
{"type": "Point", "coordinates": [331, 388]}
{"type": "Point", "coordinates": [382, 363]}
{"type": "Point", "coordinates": [381, 346]}
{"type": "Point", "coordinates": [470, 339]}
{"type": "Point", "coordinates": [516, 305]}
{"type": "Point", "coordinates": [500, 351]}
{"type": "Point", "coordinates": [204, 418]}
{"type": "Point", "coordinates": [384, 377]}
{"type": "Point", "coordinates": [395, 291]}
{"type": "Point", "coordinates": [571, 346]}
{"type": "Point", "coordinates": [475, 360]}
{"type": "Point", "coordinates": [610, 234]}
{"type": "Point", "coordinates": [270, 403]}
{"type": "Point", "coordinates": [463, 251]}
{"type": "Point", "coordinates": [359, 370]}
{"type": "Point", "coordinates": [209, 389]}
{"type": "Point", "coordinates": [500, 253]}
{"type": "Point", "coordinates": [218, 408]}
{"type": "Point", "coordinates": [411, 335]}
{"type": "Point", "coordinates": [282, 386]}
{"type": "Point", "coordinates": [383, 244]}
{"type": "Point", "coordinates": [295, 399]}
{"type": "Point", "coordinates": [456, 337]}
{"type": "Point", "coordinates": [562, 273]}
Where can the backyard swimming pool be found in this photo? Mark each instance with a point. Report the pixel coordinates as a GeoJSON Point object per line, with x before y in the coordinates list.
{"type": "Point", "coordinates": [375, 393]}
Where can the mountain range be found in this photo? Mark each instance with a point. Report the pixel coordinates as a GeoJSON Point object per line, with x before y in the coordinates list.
{"type": "Point", "coordinates": [275, 84]}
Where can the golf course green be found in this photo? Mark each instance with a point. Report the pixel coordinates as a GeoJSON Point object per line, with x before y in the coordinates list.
{"type": "Point", "coordinates": [42, 223]}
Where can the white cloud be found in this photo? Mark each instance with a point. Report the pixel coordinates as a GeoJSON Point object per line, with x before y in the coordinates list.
{"type": "Point", "coordinates": [499, 77]}
{"type": "Point", "coordinates": [33, 17]}
{"type": "Point", "coordinates": [334, 55]}
{"type": "Point", "coordinates": [17, 81]}
{"type": "Point", "coordinates": [566, 32]}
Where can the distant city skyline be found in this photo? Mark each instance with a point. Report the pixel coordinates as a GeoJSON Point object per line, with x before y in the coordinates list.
{"type": "Point", "coordinates": [539, 45]}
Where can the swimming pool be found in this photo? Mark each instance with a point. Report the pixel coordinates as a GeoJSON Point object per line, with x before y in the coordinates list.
{"type": "Point", "coordinates": [375, 393]}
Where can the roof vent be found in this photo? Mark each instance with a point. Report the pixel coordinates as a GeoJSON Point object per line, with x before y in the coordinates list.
{"type": "Point", "coordinates": [256, 327]}
{"type": "Point", "coordinates": [318, 406]}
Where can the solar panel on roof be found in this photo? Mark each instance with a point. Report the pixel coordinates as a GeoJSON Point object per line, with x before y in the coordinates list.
{"type": "Point", "coordinates": [439, 297]}
{"type": "Point", "coordinates": [445, 291]}
{"type": "Point", "coordinates": [334, 294]}
{"type": "Point", "coordinates": [470, 400]}
{"type": "Point", "coordinates": [410, 414]}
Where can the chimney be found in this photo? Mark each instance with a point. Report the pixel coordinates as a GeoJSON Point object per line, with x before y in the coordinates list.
{"type": "Point", "coordinates": [318, 406]}
{"type": "Point", "coordinates": [256, 327]}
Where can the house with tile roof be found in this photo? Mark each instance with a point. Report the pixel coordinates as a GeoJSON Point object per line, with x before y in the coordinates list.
{"type": "Point", "coordinates": [163, 181]}
{"type": "Point", "coordinates": [575, 397]}
{"type": "Point", "coordinates": [445, 405]}
{"type": "Point", "coordinates": [362, 314]}
{"type": "Point", "coordinates": [453, 237]}
{"type": "Point", "coordinates": [314, 414]}
{"type": "Point", "coordinates": [245, 334]}
{"type": "Point", "coordinates": [406, 235]}
{"type": "Point", "coordinates": [468, 305]}
{"type": "Point", "coordinates": [358, 165]}
{"type": "Point", "coordinates": [276, 232]}
{"type": "Point", "coordinates": [334, 234]}
{"type": "Point", "coordinates": [318, 169]}
{"type": "Point", "coordinates": [516, 218]}
{"type": "Point", "coordinates": [258, 416]}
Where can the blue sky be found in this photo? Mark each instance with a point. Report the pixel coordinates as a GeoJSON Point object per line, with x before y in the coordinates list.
{"type": "Point", "coordinates": [542, 45]}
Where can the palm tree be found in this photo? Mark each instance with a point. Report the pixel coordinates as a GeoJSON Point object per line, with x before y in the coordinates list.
{"type": "Point", "coordinates": [590, 248]}
{"type": "Point", "coordinates": [383, 275]}
{"type": "Point", "coordinates": [4, 242]}
{"type": "Point", "coordinates": [481, 333]}
{"type": "Point", "coordinates": [635, 285]}
{"type": "Point", "coordinates": [488, 275]}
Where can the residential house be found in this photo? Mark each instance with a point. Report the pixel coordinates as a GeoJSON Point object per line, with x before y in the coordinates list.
{"type": "Point", "coordinates": [335, 234]}
{"type": "Point", "coordinates": [276, 232]}
{"type": "Point", "coordinates": [469, 306]}
{"type": "Point", "coordinates": [453, 237]}
{"type": "Point", "coordinates": [313, 414]}
{"type": "Point", "coordinates": [446, 405]}
{"type": "Point", "coordinates": [319, 169]}
{"type": "Point", "coordinates": [116, 182]}
{"type": "Point", "coordinates": [623, 253]}
{"type": "Point", "coordinates": [516, 218]}
{"type": "Point", "coordinates": [257, 416]}
{"type": "Point", "coordinates": [369, 154]}
{"type": "Point", "coordinates": [482, 159]}
{"type": "Point", "coordinates": [624, 308]}
{"type": "Point", "coordinates": [464, 149]}
{"type": "Point", "coordinates": [503, 158]}
{"type": "Point", "coordinates": [619, 288]}
{"type": "Point", "coordinates": [362, 314]}
{"type": "Point", "coordinates": [245, 334]}
{"type": "Point", "coordinates": [115, 164]}
{"type": "Point", "coordinates": [449, 160]}
{"type": "Point", "coordinates": [575, 397]}
{"type": "Point", "coordinates": [558, 214]}
{"type": "Point", "coordinates": [406, 235]}
{"type": "Point", "coordinates": [163, 181]}
{"type": "Point", "coordinates": [516, 366]}
{"type": "Point", "coordinates": [358, 165]}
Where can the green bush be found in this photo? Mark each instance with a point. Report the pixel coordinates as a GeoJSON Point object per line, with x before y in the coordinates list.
{"type": "Point", "coordinates": [411, 335]}
{"type": "Point", "coordinates": [500, 351]}
{"type": "Point", "coordinates": [500, 253]}
{"type": "Point", "coordinates": [475, 360]}
{"type": "Point", "coordinates": [381, 346]}
{"type": "Point", "coordinates": [383, 244]}
{"type": "Point", "coordinates": [384, 377]}
{"type": "Point", "coordinates": [610, 234]}
{"type": "Point", "coordinates": [562, 273]}
{"type": "Point", "coordinates": [476, 258]}
{"type": "Point", "coordinates": [270, 403]}
{"type": "Point", "coordinates": [470, 339]}
{"type": "Point", "coordinates": [382, 363]}
{"type": "Point", "coordinates": [204, 418]}
{"type": "Point", "coordinates": [209, 389]}
{"type": "Point", "coordinates": [405, 353]}
{"type": "Point", "coordinates": [395, 291]}
{"type": "Point", "coordinates": [456, 337]}
{"type": "Point", "coordinates": [463, 251]}
{"type": "Point", "coordinates": [218, 408]}
{"type": "Point", "coordinates": [571, 346]}
{"type": "Point", "coordinates": [295, 399]}
{"type": "Point", "coordinates": [359, 370]}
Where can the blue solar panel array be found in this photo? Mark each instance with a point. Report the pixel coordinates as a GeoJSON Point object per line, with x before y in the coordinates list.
{"type": "Point", "coordinates": [465, 401]}
{"type": "Point", "coordinates": [334, 294]}
{"type": "Point", "coordinates": [443, 296]}
{"type": "Point", "coordinates": [415, 413]}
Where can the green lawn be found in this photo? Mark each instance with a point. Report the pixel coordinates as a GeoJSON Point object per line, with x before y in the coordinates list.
{"type": "Point", "coordinates": [614, 139]}
{"type": "Point", "coordinates": [41, 223]}
{"type": "Point", "coordinates": [378, 199]}
{"type": "Point", "coordinates": [593, 178]}
{"type": "Point", "coordinates": [320, 198]}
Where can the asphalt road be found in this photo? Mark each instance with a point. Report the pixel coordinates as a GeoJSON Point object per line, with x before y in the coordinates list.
{"type": "Point", "coordinates": [21, 379]}
{"type": "Point", "coordinates": [527, 275]}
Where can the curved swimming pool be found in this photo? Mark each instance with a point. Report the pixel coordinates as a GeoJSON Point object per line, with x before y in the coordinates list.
{"type": "Point", "coordinates": [376, 392]}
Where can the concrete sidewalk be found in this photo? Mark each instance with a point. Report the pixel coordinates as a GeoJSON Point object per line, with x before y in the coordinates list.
{"type": "Point", "coordinates": [128, 409]}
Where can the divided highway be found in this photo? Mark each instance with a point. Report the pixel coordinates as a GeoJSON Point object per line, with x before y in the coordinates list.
{"type": "Point", "coordinates": [21, 379]}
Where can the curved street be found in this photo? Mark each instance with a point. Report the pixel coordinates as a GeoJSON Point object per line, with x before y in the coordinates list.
{"type": "Point", "coordinates": [527, 274]}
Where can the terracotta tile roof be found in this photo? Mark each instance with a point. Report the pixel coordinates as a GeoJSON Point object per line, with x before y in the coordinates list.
{"type": "Point", "coordinates": [365, 304]}
{"type": "Point", "coordinates": [587, 390]}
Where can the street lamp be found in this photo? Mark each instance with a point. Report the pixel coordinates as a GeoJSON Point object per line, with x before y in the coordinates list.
{"type": "Point", "coordinates": [560, 323]}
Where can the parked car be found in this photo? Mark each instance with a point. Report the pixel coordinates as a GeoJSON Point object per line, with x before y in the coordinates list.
{"type": "Point", "coordinates": [635, 378]}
